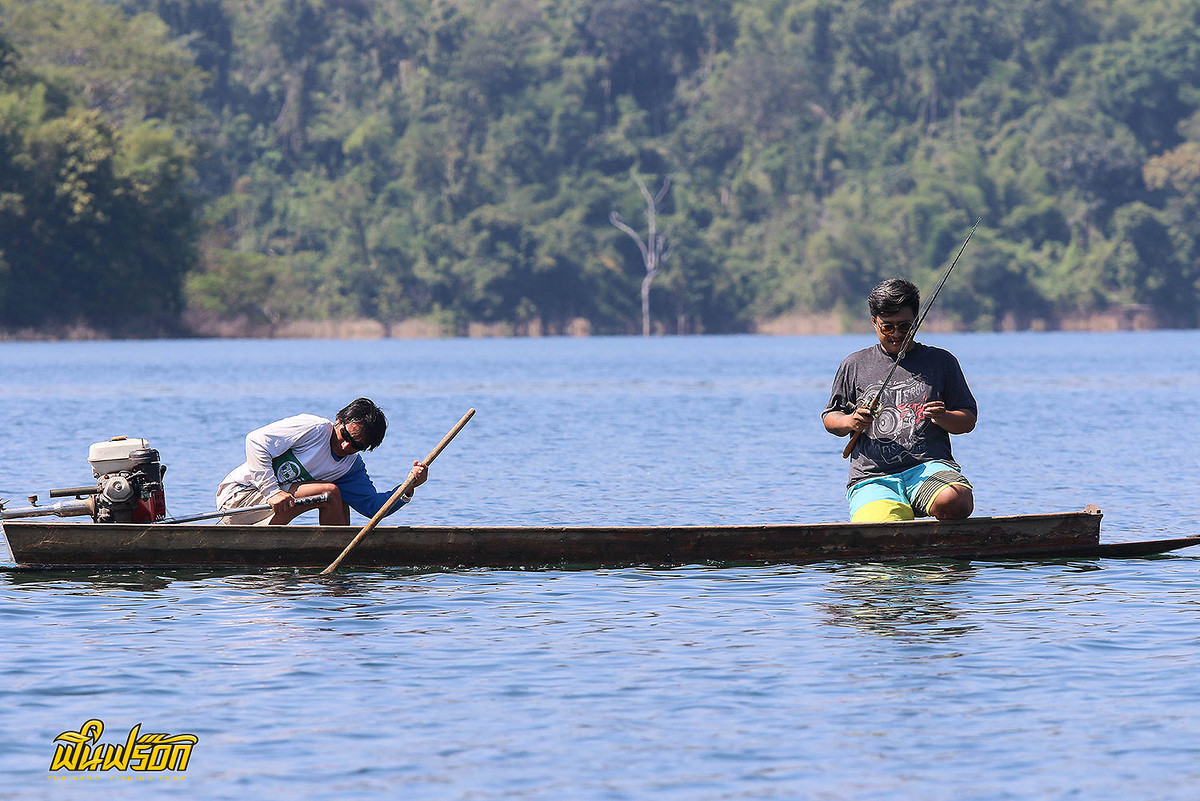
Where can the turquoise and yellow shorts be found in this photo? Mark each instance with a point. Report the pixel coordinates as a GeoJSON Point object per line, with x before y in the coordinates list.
{"type": "Point", "coordinates": [902, 496]}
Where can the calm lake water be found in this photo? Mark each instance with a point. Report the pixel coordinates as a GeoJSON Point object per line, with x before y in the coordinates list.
{"type": "Point", "coordinates": [1067, 679]}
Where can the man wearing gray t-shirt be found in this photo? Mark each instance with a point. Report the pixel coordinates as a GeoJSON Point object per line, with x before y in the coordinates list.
{"type": "Point", "coordinates": [902, 465]}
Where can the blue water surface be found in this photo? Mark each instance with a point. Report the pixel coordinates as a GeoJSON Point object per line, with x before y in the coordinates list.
{"type": "Point", "coordinates": [1066, 679]}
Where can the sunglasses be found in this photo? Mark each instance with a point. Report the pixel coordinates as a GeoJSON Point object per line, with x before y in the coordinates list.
{"type": "Point", "coordinates": [892, 328]}
{"type": "Point", "coordinates": [348, 437]}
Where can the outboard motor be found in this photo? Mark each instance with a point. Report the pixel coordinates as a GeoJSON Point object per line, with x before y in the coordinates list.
{"type": "Point", "coordinates": [129, 487]}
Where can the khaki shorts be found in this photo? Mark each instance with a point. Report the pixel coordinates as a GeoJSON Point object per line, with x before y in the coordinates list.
{"type": "Point", "coordinates": [236, 496]}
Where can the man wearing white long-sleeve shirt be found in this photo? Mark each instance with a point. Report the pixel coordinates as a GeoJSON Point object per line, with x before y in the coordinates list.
{"type": "Point", "coordinates": [307, 455]}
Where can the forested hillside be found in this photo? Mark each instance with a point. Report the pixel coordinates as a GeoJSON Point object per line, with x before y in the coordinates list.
{"type": "Point", "coordinates": [174, 163]}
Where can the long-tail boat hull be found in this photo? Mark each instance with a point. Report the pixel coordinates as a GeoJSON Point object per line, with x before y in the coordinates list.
{"type": "Point", "coordinates": [92, 545]}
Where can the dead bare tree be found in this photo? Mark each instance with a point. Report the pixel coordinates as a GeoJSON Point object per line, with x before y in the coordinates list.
{"type": "Point", "coordinates": [655, 248]}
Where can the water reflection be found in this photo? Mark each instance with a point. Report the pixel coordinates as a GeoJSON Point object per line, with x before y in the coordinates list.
{"type": "Point", "coordinates": [87, 583]}
{"type": "Point", "coordinates": [267, 582]}
{"type": "Point", "coordinates": [899, 600]}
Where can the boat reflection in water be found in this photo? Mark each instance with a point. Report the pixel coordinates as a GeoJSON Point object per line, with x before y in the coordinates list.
{"type": "Point", "coordinates": [907, 601]}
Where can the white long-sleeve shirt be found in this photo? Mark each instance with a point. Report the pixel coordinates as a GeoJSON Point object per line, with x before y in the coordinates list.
{"type": "Point", "coordinates": [298, 449]}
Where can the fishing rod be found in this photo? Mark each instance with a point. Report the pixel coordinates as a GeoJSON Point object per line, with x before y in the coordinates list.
{"type": "Point", "coordinates": [912, 332]}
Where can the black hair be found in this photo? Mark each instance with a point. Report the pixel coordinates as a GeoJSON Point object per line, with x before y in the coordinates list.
{"type": "Point", "coordinates": [892, 295]}
{"type": "Point", "coordinates": [370, 419]}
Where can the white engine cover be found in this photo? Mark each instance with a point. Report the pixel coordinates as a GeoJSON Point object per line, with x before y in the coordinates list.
{"type": "Point", "coordinates": [113, 455]}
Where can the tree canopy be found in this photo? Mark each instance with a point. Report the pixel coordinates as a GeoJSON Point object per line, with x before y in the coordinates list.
{"type": "Point", "coordinates": [458, 162]}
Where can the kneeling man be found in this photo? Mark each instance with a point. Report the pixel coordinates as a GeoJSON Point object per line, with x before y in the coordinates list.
{"type": "Point", "coordinates": [902, 466]}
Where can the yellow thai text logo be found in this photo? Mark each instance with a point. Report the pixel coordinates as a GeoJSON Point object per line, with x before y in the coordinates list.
{"type": "Point", "coordinates": [82, 751]}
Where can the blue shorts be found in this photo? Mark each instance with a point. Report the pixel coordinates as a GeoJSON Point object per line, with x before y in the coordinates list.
{"type": "Point", "coordinates": [902, 496]}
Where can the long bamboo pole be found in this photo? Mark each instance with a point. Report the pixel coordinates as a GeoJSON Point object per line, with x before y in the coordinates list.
{"type": "Point", "coordinates": [400, 490]}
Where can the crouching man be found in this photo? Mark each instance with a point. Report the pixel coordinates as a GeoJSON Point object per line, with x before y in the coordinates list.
{"type": "Point", "coordinates": [307, 455]}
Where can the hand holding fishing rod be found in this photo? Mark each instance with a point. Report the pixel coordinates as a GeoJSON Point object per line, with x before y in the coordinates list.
{"type": "Point", "coordinates": [863, 416]}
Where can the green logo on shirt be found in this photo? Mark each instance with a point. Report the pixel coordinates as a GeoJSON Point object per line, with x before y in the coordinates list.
{"type": "Point", "coordinates": [288, 469]}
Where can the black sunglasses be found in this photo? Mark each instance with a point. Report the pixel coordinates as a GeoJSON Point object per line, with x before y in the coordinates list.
{"type": "Point", "coordinates": [346, 435]}
{"type": "Point", "coordinates": [891, 328]}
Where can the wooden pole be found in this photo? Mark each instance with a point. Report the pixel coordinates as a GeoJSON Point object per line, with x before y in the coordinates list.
{"type": "Point", "coordinates": [401, 490]}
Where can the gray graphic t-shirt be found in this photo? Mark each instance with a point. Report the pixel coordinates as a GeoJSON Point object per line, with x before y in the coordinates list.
{"type": "Point", "coordinates": [899, 438]}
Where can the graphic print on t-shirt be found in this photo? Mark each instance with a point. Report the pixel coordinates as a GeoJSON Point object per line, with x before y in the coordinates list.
{"type": "Point", "coordinates": [893, 434]}
{"type": "Point", "coordinates": [288, 469]}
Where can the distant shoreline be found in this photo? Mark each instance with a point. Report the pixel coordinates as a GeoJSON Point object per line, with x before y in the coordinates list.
{"type": "Point", "coordinates": [1130, 318]}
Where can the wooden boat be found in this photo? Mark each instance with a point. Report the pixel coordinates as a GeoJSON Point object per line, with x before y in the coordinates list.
{"type": "Point", "coordinates": [160, 545]}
